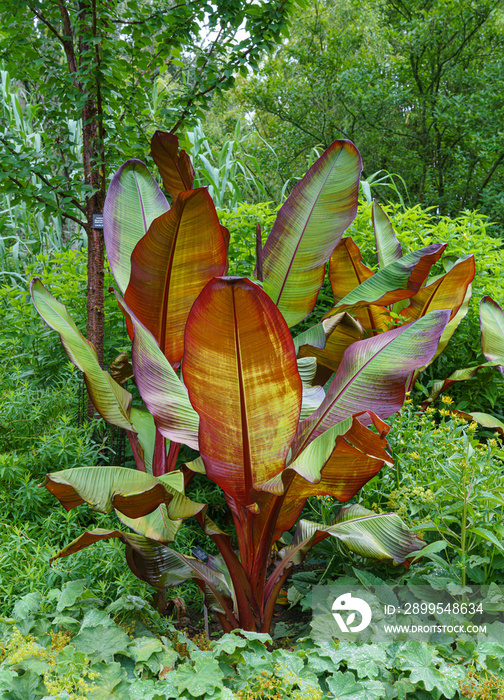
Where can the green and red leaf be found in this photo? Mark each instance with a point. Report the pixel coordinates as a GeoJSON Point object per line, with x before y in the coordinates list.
{"type": "Point", "coordinates": [308, 227]}
{"type": "Point", "coordinates": [160, 388]}
{"type": "Point", "coordinates": [111, 401]}
{"type": "Point", "coordinates": [492, 330]}
{"type": "Point", "coordinates": [133, 201]}
{"type": "Point", "coordinates": [241, 373]}
{"type": "Point", "coordinates": [373, 374]}
{"type": "Point", "coordinates": [401, 279]}
{"type": "Point", "coordinates": [447, 292]}
{"type": "Point", "coordinates": [388, 248]}
{"type": "Point", "coordinates": [182, 251]}
{"type": "Point", "coordinates": [133, 493]}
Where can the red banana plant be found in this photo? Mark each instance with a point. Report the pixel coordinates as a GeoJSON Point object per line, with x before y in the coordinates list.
{"type": "Point", "coordinates": [264, 438]}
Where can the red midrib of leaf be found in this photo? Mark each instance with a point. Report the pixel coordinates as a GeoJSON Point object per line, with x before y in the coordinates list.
{"type": "Point", "coordinates": [166, 289]}
{"type": "Point", "coordinates": [247, 460]}
{"type": "Point", "coordinates": [304, 228]}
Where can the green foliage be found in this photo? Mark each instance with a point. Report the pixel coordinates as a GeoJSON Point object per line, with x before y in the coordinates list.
{"type": "Point", "coordinates": [446, 485]}
{"type": "Point", "coordinates": [410, 82]}
{"type": "Point", "coordinates": [35, 348]}
{"type": "Point", "coordinates": [67, 645]}
{"type": "Point", "coordinates": [242, 222]}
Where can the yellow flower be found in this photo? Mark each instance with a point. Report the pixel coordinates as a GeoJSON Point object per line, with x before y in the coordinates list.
{"type": "Point", "coordinates": [472, 426]}
{"type": "Point", "coordinates": [430, 410]}
{"type": "Point", "coordinates": [415, 455]}
{"type": "Point", "coordinates": [492, 442]}
{"type": "Point", "coordinates": [447, 400]}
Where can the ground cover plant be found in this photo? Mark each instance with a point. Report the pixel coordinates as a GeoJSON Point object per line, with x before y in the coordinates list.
{"type": "Point", "coordinates": [252, 444]}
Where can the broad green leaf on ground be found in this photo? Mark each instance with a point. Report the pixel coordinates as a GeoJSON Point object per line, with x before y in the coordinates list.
{"type": "Point", "coordinates": [111, 684]}
{"type": "Point", "coordinates": [174, 166]}
{"type": "Point", "coordinates": [308, 227]}
{"type": "Point", "coordinates": [427, 667]}
{"type": "Point", "coordinates": [101, 645]}
{"type": "Point", "coordinates": [388, 248]}
{"type": "Point", "coordinates": [201, 679]}
{"type": "Point", "coordinates": [367, 659]}
{"type": "Point", "coordinates": [109, 398]}
{"type": "Point", "coordinates": [133, 201]}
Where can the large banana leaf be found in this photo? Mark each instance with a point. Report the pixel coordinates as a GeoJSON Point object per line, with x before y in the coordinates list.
{"type": "Point", "coordinates": [388, 248]}
{"type": "Point", "coordinates": [373, 373]}
{"type": "Point", "coordinates": [401, 279]}
{"type": "Point", "coordinates": [133, 201]}
{"type": "Point", "coordinates": [160, 388]}
{"type": "Point", "coordinates": [492, 330]}
{"type": "Point", "coordinates": [308, 227]}
{"type": "Point", "coordinates": [174, 166]}
{"type": "Point", "coordinates": [182, 251]}
{"type": "Point", "coordinates": [111, 401]}
{"type": "Point", "coordinates": [241, 373]}
{"type": "Point", "coordinates": [133, 493]}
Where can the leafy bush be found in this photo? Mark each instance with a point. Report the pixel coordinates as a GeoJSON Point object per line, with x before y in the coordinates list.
{"type": "Point", "coordinates": [67, 645]}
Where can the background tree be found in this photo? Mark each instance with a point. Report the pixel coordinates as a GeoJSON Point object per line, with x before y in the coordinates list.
{"type": "Point", "coordinates": [115, 68]}
{"type": "Point", "coordinates": [417, 84]}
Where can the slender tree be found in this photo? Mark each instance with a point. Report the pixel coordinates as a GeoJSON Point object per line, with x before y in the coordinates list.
{"type": "Point", "coordinates": [118, 68]}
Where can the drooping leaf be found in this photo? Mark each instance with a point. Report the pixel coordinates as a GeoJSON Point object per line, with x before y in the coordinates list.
{"type": "Point", "coordinates": [143, 422]}
{"type": "Point", "coordinates": [132, 492]}
{"type": "Point", "coordinates": [249, 402]}
{"type": "Point", "coordinates": [460, 375]}
{"type": "Point", "coordinates": [373, 373]}
{"type": "Point", "coordinates": [484, 419]}
{"type": "Point", "coordinates": [492, 330]}
{"type": "Point", "coordinates": [377, 536]}
{"type": "Point", "coordinates": [161, 390]}
{"type": "Point", "coordinates": [388, 247]}
{"type": "Point", "coordinates": [174, 166]}
{"type": "Point", "coordinates": [308, 227]}
{"type": "Point", "coordinates": [182, 251]}
{"type": "Point", "coordinates": [133, 201]}
{"type": "Point", "coordinates": [342, 330]}
{"type": "Point", "coordinates": [401, 279]}
{"type": "Point", "coordinates": [337, 463]}
{"type": "Point", "coordinates": [111, 401]}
